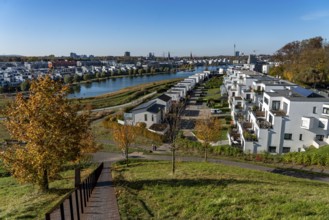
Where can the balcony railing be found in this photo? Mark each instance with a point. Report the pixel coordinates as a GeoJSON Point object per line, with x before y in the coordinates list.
{"type": "Point", "coordinates": [278, 112]}
{"type": "Point", "coordinates": [246, 125]}
{"type": "Point", "coordinates": [259, 114]}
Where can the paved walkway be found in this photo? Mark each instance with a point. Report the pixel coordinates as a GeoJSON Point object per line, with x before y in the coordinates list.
{"type": "Point", "coordinates": [103, 203]}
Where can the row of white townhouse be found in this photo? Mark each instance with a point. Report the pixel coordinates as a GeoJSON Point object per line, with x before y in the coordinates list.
{"type": "Point", "coordinates": [274, 115]}
{"type": "Point", "coordinates": [153, 113]}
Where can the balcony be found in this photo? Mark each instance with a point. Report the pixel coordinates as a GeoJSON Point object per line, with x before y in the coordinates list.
{"type": "Point", "coordinates": [234, 137]}
{"type": "Point", "coordinates": [278, 112]}
{"type": "Point", "coordinates": [246, 125]}
{"type": "Point", "coordinates": [238, 106]}
{"type": "Point", "coordinates": [249, 135]}
{"type": "Point", "coordinates": [259, 114]}
{"type": "Point", "coordinates": [263, 124]}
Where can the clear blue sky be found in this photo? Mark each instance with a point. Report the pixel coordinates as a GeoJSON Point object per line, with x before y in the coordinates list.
{"type": "Point", "coordinates": [204, 27]}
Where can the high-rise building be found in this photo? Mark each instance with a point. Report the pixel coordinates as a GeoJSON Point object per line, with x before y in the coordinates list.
{"type": "Point", "coordinates": [252, 59]}
{"type": "Point", "coordinates": [127, 54]}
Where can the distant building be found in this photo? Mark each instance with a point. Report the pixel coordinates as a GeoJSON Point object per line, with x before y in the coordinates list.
{"type": "Point", "coordinates": [127, 54]}
{"type": "Point", "coordinates": [252, 59]}
{"type": "Point", "coordinates": [237, 53]}
{"type": "Point", "coordinates": [151, 55]}
{"type": "Point", "coordinates": [73, 55]}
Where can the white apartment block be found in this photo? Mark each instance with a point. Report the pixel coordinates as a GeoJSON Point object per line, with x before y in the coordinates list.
{"type": "Point", "coordinates": [273, 115]}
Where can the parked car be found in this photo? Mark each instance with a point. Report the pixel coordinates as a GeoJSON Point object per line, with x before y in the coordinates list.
{"type": "Point", "coordinates": [215, 111]}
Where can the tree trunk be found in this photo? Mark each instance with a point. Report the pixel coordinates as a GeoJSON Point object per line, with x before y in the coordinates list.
{"type": "Point", "coordinates": [44, 186]}
{"type": "Point", "coordinates": [173, 160]}
{"type": "Point", "coordinates": [127, 160]}
{"type": "Point", "coordinates": [205, 154]}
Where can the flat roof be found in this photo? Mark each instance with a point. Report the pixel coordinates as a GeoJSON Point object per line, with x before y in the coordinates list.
{"type": "Point", "coordinates": [294, 96]}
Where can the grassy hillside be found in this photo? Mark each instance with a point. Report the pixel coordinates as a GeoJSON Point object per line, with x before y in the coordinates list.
{"type": "Point", "coordinates": [147, 190]}
{"type": "Point", "coordinates": [25, 202]}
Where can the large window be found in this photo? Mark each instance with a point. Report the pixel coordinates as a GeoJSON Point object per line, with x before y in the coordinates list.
{"type": "Point", "coordinates": [285, 149]}
{"type": "Point", "coordinates": [266, 100]}
{"type": "Point", "coordinates": [285, 107]}
{"type": "Point", "coordinates": [325, 111]}
{"type": "Point", "coordinates": [145, 117]}
{"type": "Point", "coordinates": [314, 110]}
{"type": "Point", "coordinates": [272, 149]}
{"type": "Point", "coordinates": [287, 136]}
{"type": "Point", "coordinates": [275, 105]}
{"type": "Point", "coordinates": [321, 124]}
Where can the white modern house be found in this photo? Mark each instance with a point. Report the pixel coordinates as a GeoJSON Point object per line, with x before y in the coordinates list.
{"type": "Point", "coordinates": [149, 113]}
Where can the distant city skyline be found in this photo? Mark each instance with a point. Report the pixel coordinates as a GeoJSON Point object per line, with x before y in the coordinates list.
{"type": "Point", "coordinates": [205, 28]}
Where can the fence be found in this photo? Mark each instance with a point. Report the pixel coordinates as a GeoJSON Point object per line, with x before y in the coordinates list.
{"type": "Point", "coordinates": [72, 206]}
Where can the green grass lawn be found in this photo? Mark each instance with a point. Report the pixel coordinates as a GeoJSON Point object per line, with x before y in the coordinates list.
{"type": "Point", "coordinates": [148, 190]}
{"type": "Point", "coordinates": [26, 202]}
{"type": "Point", "coordinates": [213, 94]}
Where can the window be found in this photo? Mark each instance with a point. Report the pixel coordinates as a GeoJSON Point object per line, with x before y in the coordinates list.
{"type": "Point", "coordinates": [314, 110]}
{"type": "Point", "coordinates": [266, 100]}
{"type": "Point", "coordinates": [285, 149]}
{"type": "Point", "coordinates": [285, 107]}
{"type": "Point", "coordinates": [270, 119]}
{"type": "Point", "coordinates": [145, 117]}
{"type": "Point", "coordinates": [325, 111]}
{"type": "Point", "coordinates": [152, 117]}
{"type": "Point", "coordinates": [272, 149]}
{"type": "Point", "coordinates": [275, 105]}
{"type": "Point", "coordinates": [287, 136]}
{"type": "Point", "coordinates": [300, 137]}
{"type": "Point", "coordinates": [321, 124]}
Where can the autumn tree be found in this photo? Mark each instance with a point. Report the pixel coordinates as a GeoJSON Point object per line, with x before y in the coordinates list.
{"type": "Point", "coordinates": [123, 136]}
{"type": "Point", "coordinates": [305, 61]}
{"type": "Point", "coordinates": [174, 122]}
{"type": "Point", "coordinates": [49, 133]}
{"type": "Point", "coordinates": [207, 130]}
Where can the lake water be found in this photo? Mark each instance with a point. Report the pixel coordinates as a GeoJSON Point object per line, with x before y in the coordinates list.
{"type": "Point", "coordinates": [115, 84]}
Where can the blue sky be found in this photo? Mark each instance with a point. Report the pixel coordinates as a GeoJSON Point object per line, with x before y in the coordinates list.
{"type": "Point", "coordinates": [110, 27]}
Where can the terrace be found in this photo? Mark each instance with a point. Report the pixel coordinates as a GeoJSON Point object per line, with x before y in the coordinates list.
{"type": "Point", "coordinates": [263, 124]}
{"type": "Point", "coordinates": [278, 112]}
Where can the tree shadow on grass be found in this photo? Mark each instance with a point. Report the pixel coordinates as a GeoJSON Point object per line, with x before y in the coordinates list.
{"type": "Point", "coordinates": [301, 175]}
